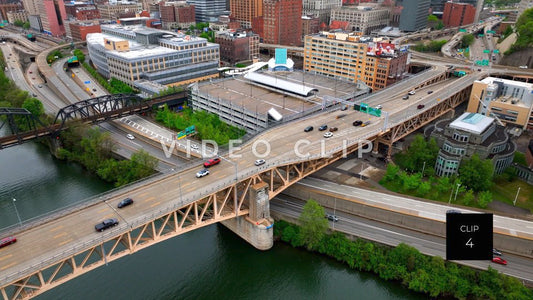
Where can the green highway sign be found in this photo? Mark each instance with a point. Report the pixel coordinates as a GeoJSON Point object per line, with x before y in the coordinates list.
{"type": "Point", "coordinates": [486, 51]}
{"type": "Point", "coordinates": [496, 51]}
{"type": "Point", "coordinates": [462, 30]}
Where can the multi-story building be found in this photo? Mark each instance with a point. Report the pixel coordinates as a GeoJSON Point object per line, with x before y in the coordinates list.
{"type": "Point", "coordinates": [354, 58]}
{"type": "Point", "coordinates": [177, 14]}
{"type": "Point", "coordinates": [362, 18]}
{"type": "Point", "coordinates": [52, 14]}
{"type": "Point", "coordinates": [31, 6]}
{"type": "Point", "coordinates": [471, 134]}
{"type": "Point", "coordinates": [414, 15]}
{"type": "Point", "coordinates": [78, 30]}
{"type": "Point", "coordinates": [208, 10]}
{"type": "Point", "coordinates": [510, 101]}
{"type": "Point", "coordinates": [244, 11]}
{"type": "Point", "coordinates": [310, 25]}
{"type": "Point", "coordinates": [458, 14]}
{"type": "Point", "coordinates": [320, 8]}
{"type": "Point", "coordinates": [114, 11]}
{"type": "Point", "coordinates": [132, 53]}
{"type": "Point", "coordinates": [6, 7]}
{"type": "Point", "coordinates": [20, 15]}
{"type": "Point", "coordinates": [237, 46]}
{"type": "Point", "coordinates": [282, 22]}
{"type": "Point", "coordinates": [83, 13]}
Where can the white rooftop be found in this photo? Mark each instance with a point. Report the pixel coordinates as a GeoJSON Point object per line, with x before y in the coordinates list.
{"type": "Point", "coordinates": [137, 50]}
{"type": "Point", "coordinates": [280, 84]}
{"type": "Point", "coordinates": [489, 80]}
{"type": "Point", "coordinates": [472, 122]}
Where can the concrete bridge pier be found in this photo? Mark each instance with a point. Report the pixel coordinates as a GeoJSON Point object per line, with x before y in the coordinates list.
{"type": "Point", "coordinates": [54, 145]}
{"type": "Point", "coordinates": [256, 228]}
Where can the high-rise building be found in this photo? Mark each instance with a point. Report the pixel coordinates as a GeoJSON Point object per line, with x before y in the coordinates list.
{"type": "Point", "coordinates": [177, 14]}
{"type": "Point", "coordinates": [208, 10]}
{"type": "Point", "coordinates": [320, 8]}
{"type": "Point", "coordinates": [52, 14]}
{"type": "Point", "coordinates": [282, 22]}
{"type": "Point", "coordinates": [352, 57]}
{"type": "Point", "coordinates": [458, 14]}
{"type": "Point", "coordinates": [114, 11]}
{"type": "Point", "coordinates": [31, 6]}
{"type": "Point", "coordinates": [414, 15]}
{"type": "Point", "coordinates": [244, 11]}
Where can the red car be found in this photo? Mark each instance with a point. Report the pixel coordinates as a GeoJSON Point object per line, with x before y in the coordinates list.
{"type": "Point", "coordinates": [499, 260]}
{"type": "Point", "coordinates": [212, 162]}
{"type": "Point", "coordinates": [7, 241]}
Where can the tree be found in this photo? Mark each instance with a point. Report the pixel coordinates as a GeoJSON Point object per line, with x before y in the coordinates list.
{"type": "Point", "coordinates": [433, 21]}
{"type": "Point", "coordinates": [468, 197]}
{"type": "Point", "coordinates": [484, 198]}
{"type": "Point", "coordinates": [34, 106]}
{"type": "Point", "coordinates": [26, 25]}
{"type": "Point", "coordinates": [18, 23]}
{"type": "Point", "coordinates": [476, 173]}
{"type": "Point", "coordinates": [80, 55]}
{"type": "Point", "coordinates": [467, 40]}
{"type": "Point", "coordinates": [313, 224]}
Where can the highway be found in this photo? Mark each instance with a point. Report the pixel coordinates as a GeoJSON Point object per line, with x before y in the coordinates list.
{"type": "Point", "coordinates": [76, 230]}
{"type": "Point", "coordinates": [518, 266]}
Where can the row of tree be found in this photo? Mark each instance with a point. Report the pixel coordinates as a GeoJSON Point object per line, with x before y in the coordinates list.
{"type": "Point", "coordinates": [208, 126]}
{"type": "Point", "coordinates": [429, 275]}
{"type": "Point", "coordinates": [114, 86]}
{"type": "Point", "coordinates": [93, 149]}
{"type": "Point", "coordinates": [524, 31]}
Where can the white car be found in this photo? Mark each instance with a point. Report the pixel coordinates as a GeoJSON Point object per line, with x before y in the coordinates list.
{"type": "Point", "coordinates": [379, 106]}
{"type": "Point", "coordinates": [130, 136]}
{"type": "Point", "coordinates": [202, 173]}
{"type": "Point", "coordinates": [411, 92]}
{"type": "Point", "coordinates": [328, 134]}
{"type": "Point", "coordinates": [522, 67]}
{"type": "Point", "coordinates": [259, 162]}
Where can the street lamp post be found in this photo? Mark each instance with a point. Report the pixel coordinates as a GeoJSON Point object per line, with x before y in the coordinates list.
{"type": "Point", "coordinates": [423, 168]}
{"type": "Point", "coordinates": [516, 197]}
{"type": "Point", "coordinates": [451, 193]}
{"type": "Point", "coordinates": [16, 211]}
{"type": "Point", "coordinates": [457, 190]}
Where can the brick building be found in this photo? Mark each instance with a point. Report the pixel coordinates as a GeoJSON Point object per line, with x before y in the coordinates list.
{"type": "Point", "coordinates": [244, 11]}
{"type": "Point", "coordinates": [237, 46]}
{"type": "Point", "coordinates": [176, 14]}
{"type": "Point", "coordinates": [458, 14]}
{"type": "Point", "coordinates": [282, 22]}
{"type": "Point", "coordinates": [79, 30]}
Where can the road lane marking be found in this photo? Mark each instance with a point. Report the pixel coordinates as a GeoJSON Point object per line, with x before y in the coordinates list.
{"type": "Point", "coordinates": [103, 209]}
{"type": "Point", "coordinates": [56, 228]}
{"type": "Point", "coordinates": [150, 199]}
{"type": "Point", "coordinates": [8, 266]}
{"type": "Point", "coordinates": [5, 256]}
{"type": "Point", "coordinates": [64, 242]}
{"type": "Point", "coordinates": [157, 203]}
{"type": "Point", "coordinates": [144, 194]}
{"type": "Point", "coordinates": [60, 235]}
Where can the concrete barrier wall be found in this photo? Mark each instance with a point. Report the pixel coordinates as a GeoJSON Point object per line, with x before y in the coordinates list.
{"type": "Point", "coordinates": [504, 242]}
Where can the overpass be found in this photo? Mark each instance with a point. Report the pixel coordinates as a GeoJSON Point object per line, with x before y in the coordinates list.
{"type": "Point", "coordinates": [58, 247]}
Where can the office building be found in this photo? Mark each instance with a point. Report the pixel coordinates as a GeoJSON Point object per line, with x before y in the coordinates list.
{"type": "Point", "coordinates": [244, 11]}
{"type": "Point", "coordinates": [237, 46]}
{"type": "Point", "coordinates": [114, 11]}
{"type": "Point", "coordinates": [177, 14]}
{"type": "Point", "coordinates": [282, 22]}
{"type": "Point", "coordinates": [414, 15]}
{"type": "Point", "coordinates": [458, 14]}
{"type": "Point", "coordinates": [320, 8]}
{"type": "Point", "coordinates": [52, 13]}
{"type": "Point", "coordinates": [208, 10]}
{"type": "Point", "coordinates": [310, 25]}
{"type": "Point", "coordinates": [131, 53]}
{"type": "Point", "coordinates": [352, 57]}
{"type": "Point", "coordinates": [78, 30]}
{"type": "Point", "coordinates": [362, 18]}
{"type": "Point", "coordinates": [6, 7]}
{"type": "Point", "coordinates": [471, 134]}
{"type": "Point", "coordinates": [510, 101]}
{"type": "Point", "coordinates": [20, 15]}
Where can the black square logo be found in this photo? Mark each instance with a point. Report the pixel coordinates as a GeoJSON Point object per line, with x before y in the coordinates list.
{"type": "Point", "coordinates": [468, 236]}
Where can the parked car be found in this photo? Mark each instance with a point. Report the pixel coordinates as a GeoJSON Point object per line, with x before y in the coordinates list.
{"type": "Point", "coordinates": [496, 252]}
{"type": "Point", "coordinates": [125, 202]}
{"type": "Point", "coordinates": [411, 92]}
{"type": "Point", "coordinates": [499, 260]}
{"type": "Point", "coordinates": [328, 134]}
{"type": "Point", "coordinates": [420, 106]}
{"type": "Point", "coordinates": [405, 97]}
{"type": "Point", "coordinates": [333, 129]}
{"type": "Point", "coordinates": [259, 162]}
{"type": "Point", "coordinates": [333, 218]}
{"type": "Point", "coordinates": [357, 123]}
{"type": "Point", "coordinates": [323, 127]}
{"type": "Point", "coordinates": [308, 128]}
{"type": "Point", "coordinates": [7, 241]}
{"type": "Point", "coordinates": [106, 224]}
{"type": "Point", "coordinates": [211, 162]}
{"type": "Point", "coordinates": [130, 136]}
{"type": "Point", "coordinates": [202, 173]}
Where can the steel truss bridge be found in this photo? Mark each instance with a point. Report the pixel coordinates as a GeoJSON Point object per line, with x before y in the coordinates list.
{"type": "Point", "coordinates": [226, 198]}
{"type": "Point", "coordinates": [96, 110]}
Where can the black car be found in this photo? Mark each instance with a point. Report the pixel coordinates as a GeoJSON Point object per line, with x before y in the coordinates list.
{"type": "Point", "coordinates": [106, 224]}
{"type": "Point", "coordinates": [125, 202]}
{"type": "Point", "coordinates": [308, 128]}
{"type": "Point", "coordinates": [323, 127]}
{"type": "Point", "coordinates": [357, 123]}
{"type": "Point", "coordinates": [420, 106]}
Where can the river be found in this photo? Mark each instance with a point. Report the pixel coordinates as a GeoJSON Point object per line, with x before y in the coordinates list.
{"type": "Point", "coordinates": [207, 263]}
